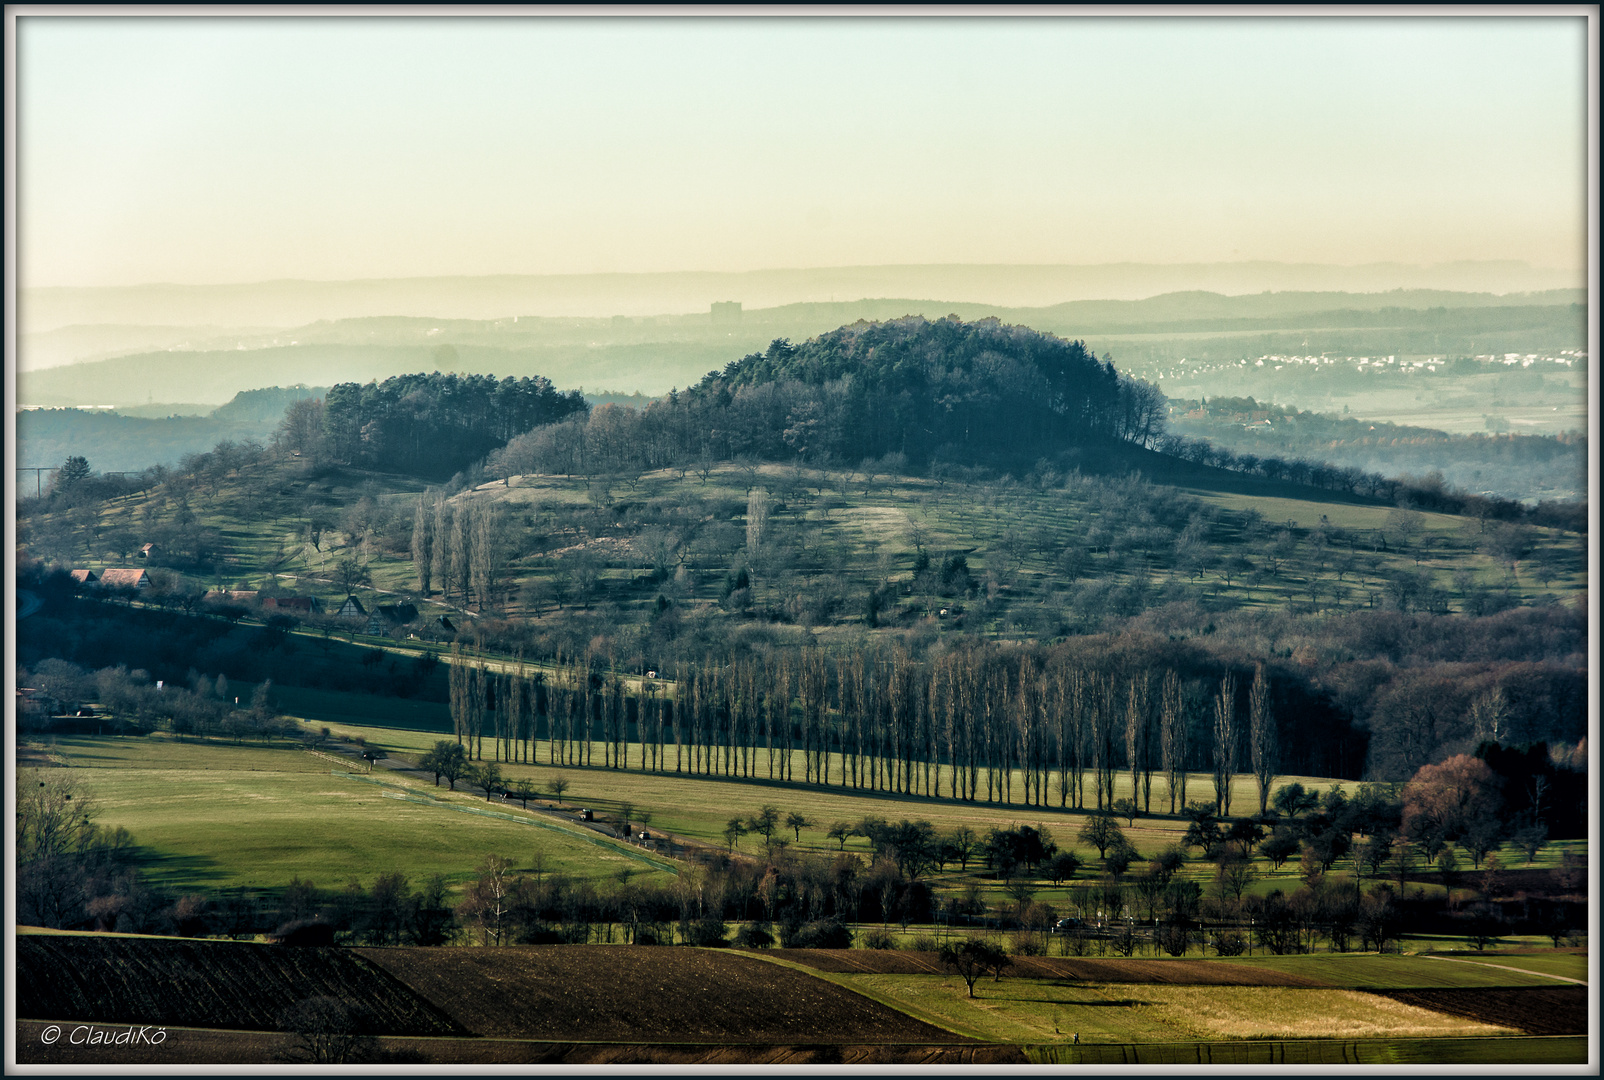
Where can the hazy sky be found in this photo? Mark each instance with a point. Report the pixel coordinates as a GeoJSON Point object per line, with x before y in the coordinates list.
{"type": "Point", "coordinates": [237, 149]}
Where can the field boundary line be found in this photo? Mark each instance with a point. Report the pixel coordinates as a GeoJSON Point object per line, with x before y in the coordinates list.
{"type": "Point", "coordinates": [1506, 967]}
{"type": "Point", "coordinates": [840, 979]}
{"type": "Point", "coordinates": [599, 841]}
{"type": "Point", "coordinates": [405, 794]}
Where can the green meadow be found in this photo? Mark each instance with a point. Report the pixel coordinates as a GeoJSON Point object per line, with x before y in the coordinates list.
{"type": "Point", "coordinates": [208, 816]}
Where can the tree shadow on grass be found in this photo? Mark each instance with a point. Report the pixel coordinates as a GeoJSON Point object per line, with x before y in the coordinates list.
{"type": "Point", "coordinates": [173, 871]}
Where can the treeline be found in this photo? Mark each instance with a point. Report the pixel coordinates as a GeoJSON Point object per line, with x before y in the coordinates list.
{"type": "Point", "coordinates": [1302, 429]}
{"type": "Point", "coordinates": [95, 633]}
{"type": "Point", "coordinates": [65, 693]}
{"type": "Point", "coordinates": [424, 425]}
{"type": "Point", "coordinates": [969, 725]}
{"type": "Point", "coordinates": [1421, 493]}
{"type": "Point", "coordinates": [910, 389]}
{"type": "Point", "coordinates": [459, 547]}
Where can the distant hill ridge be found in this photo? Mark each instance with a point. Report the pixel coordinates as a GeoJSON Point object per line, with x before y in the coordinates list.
{"type": "Point", "coordinates": [291, 303]}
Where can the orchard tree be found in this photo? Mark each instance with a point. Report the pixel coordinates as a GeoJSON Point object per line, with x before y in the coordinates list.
{"type": "Point", "coordinates": [349, 574]}
{"type": "Point", "coordinates": [973, 958]}
{"type": "Point", "coordinates": [764, 823]}
{"type": "Point", "coordinates": [559, 784]}
{"type": "Point", "coordinates": [447, 759]}
{"type": "Point", "coordinates": [487, 778]}
{"type": "Point", "coordinates": [797, 822]}
{"type": "Point", "coordinates": [1102, 832]}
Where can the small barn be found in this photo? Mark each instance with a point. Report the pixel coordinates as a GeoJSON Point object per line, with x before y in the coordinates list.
{"type": "Point", "coordinates": [149, 551]}
{"type": "Point", "coordinates": [388, 618]}
{"type": "Point", "coordinates": [293, 605]}
{"type": "Point", "coordinates": [352, 609]}
{"type": "Point", "coordinates": [398, 614]}
{"type": "Point", "coordinates": [125, 578]}
{"type": "Point", "coordinates": [84, 577]}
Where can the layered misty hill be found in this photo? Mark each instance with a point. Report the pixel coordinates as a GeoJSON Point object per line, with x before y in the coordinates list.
{"type": "Point", "coordinates": [117, 441]}
{"type": "Point", "coordinates": [285, 304]}
{"type": "Point", "coordinates": [80, 364]}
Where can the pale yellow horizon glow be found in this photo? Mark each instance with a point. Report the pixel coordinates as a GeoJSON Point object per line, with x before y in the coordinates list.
{"type": "Point", "coordinates": [211, 150]}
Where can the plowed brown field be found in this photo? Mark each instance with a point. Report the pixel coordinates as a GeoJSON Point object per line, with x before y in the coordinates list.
{"type": "Point", "coordinates": [1536, 1010]}
{"type": "Point", "coordinates": [1177, 972]}
{"type": "Point", "coordinates": [633, 994]}
{"type": "Point", "coordinates": [206, 984]}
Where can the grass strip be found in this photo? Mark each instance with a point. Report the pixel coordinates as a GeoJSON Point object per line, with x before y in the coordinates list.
{"type": "Point", "coordinates": [399, 793]}
{"type": "Point", "coordinates": [1512, 1050]}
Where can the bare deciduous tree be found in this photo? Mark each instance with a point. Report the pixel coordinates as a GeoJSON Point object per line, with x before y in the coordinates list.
{"type": "Point", "coordinates": [1224, 744]}
{"type": "Point", "coordinates": [1262, 739]}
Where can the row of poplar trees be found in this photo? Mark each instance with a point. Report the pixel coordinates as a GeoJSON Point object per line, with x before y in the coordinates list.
{"type": "Point", "coordinates": [459, 547]}
{"type": "Point", "coordinates": [971, 725]}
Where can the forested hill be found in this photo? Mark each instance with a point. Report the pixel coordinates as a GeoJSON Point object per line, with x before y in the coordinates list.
{"type": "Point", "coordinates": [426, 425]}
{"type": "Point", "coordinates": [928, 389]}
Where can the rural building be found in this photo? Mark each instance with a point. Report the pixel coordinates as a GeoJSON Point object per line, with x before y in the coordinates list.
{"type": "Point", "coordinates": [446, 623]}
{"type": "Point", "coordinates": [390, 617]}
{"type": "Point", "coordinates": [125, 578]}
{"type": "Point", "coordinates": [299, 605]}
{"type": "Point", "coordinates": [149, 551]}
{"type": "Point", "coordinates": [398, 614]}
{"type": "Point", "coordinates": [232, 596]}
{"type": "Point", "coordinates": [84, 577]}
{"type": "Point", "coordinates": [352, 609]}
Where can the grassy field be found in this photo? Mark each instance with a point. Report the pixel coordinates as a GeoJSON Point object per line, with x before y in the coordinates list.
{"type": "Point", "coordinates": [348, 707]}
{"type": "Point", "coordinates": [1527, 1050]}
{"type": "Point", "coordinates": [699, 807]}
{"type": "Point", "coordinates": [211, 814]}
{"type": "Point", "coordinates": [1385, 972]}
{"type": "Point", "coordinates": [1045, 1011]}
{"type": "Point", "coordinates": [208, 816]}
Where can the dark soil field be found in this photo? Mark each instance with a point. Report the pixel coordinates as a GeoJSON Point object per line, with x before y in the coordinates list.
{"type": "Point", "coordinates": [1536, 1010]}
{"type": "Point", "coordinates": [206, 984]}
{"type": "Point", "coordinates": [651, 995]}
{"type": "Point", "coordinates": [195, 1045]}
{"type": "Point", "coordinates": [1177, 972]}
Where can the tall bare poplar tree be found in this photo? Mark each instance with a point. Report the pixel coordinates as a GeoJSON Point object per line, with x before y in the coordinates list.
{"type": "Point", "coordinates": [439, 545]}
{"type": "Point", "coordinates": [1103, 711]}
{"type": "Point", "coordinates": [422, 553]}
{"type": "Point", "coordinates": [457, 553]}
{"type": "Point", "coordinates": [1073, 697]}
{"type": "Point", "coordinates": [1224, 744]}
{"type": "Point", "coordinates": [757, 520]}
{"type": "Point", "coordinates": [1137, 737]}
{"type": "Point", "coordinates": [457, 682]}
{"type": "Point", "coordinates": [683, 696]}
{"type": "Point", "coordinates": [780, 714]}
{"type": "Point", "coordinates": [1262, 740]}
{"type": "Point", "coordinates": [1172, 734]}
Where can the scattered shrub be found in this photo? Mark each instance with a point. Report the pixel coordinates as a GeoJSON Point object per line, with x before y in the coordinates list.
{"type": "Point", "coordinates": [1230, 945]}
{"type": "Point", "coordinates": [879, 939]}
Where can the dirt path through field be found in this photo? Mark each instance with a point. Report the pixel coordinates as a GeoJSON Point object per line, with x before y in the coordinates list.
{"type": "Point", "coordinates": [1506, 967]}
{"type": "Point", "coordinates": [671, 845]}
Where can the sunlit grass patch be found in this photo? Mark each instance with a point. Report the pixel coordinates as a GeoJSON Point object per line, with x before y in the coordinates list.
{"type": "Point", "coordinates": [1278, 1012]}
{"type": "Point", "coordinates": [1048, 1011]}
